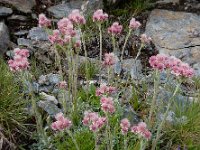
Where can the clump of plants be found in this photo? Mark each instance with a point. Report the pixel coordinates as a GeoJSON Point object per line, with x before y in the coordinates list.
{"type": "Point", "coordinates": [98, 118]}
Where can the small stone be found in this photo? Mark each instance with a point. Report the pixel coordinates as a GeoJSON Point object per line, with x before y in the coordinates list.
{"type": "Point", "coordinates": [54, 78]}
{"type": "Point", "coordinates": [24, 42]}
{"type": "Point", "coordinates": [4, 11]}
{"type": "Point", "coordinates": [17, 18]}
{"type": "Point", "coordinates": [21, 5]}
{"type": "Point", "coordinates": [49, 107]}
{"type": "Point", "coordinates": [37, 33]}
{"type": "Point", "coordinates": [49, 98]}
{"type": "Point", "coordinates": [4, 38]}
{"type": "Point", "coordinates": [21, 33]}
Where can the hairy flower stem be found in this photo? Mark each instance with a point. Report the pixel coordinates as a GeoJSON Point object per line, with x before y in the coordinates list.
{"type": "Point", "coordinates": [155, 92]}
{"type": "Point", "coordinates": [125, 142]}
{"type": "Point", "coordinates": [141, 144]}
{"type": "Point", "coordinates": [139, 52]}
{"type": "Point", "coordinates": [109, 136]}
{"type": "Point", "coordinates": [164, 118]}
{"type": "Point", "coordinates": [126, 40]}
{"type": "Point", "coordinates": [58, 61]}
{"type": "Point", "coordinates": [96, 141]}
{"type": "Point", "coordinates": [113, 43]}
{"type": "Point", "coordinates": [64, 102]}
{"type": "Point", "coordinates": [73, 139]}
{"type": "Point", "coordinates": [108, 69]}
{"type": "Point", "coordinates": [101, 49]}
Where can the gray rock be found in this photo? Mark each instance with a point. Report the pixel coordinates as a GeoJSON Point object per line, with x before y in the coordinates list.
{"type": "Point", "coordinates": [17, 18]}
{"type": "Point", "coordinates": [21, 5]}
{"type": "Point", "coordinates": [54, 78]}
{"type": "Point", "coordinates": [4, 38]}
{"type": "Point", "coordinates": [4, 11]}
{"type": "Point", "coordinates": [37, 33]}
{"type": "Point", "coordinates": [63, 10]}
{"type": "Point", "coordinates": [49, 98]}
{"type": "Point", "coordinates": [175, 33]}
{"type": "Point", "coordinates": [24, 42]}
{"type": "Point", "coordinates": [49, 107]}
{"type": "Point", "coordinates": [21, 33]}
{"type": "Point", "coordinates": [165, 2]}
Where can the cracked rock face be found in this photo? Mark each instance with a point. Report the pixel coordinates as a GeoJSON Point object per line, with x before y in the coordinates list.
{"type": "Point", "coordinates": [175, 33]}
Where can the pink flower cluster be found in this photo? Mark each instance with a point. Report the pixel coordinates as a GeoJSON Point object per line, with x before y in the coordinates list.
{"type": "Point", "coordinates": [110, 59]}
{"type": "Point", "coordinates": [94, 121]}
{"type": "Point", "coordinates": [176, 66]}
{"type": "Point", "coordinates": [20, 60]}
{"type": "Point", "coordinates": [104, 89]}
{"type": "Point", "coordinates": [43, 21]}
{"type": "Point", "coordinates": [141, 130]}
{"type": "Point", "coordinates": [125, 125]}
{"type": "Point", "coordinates": [115, 29]}
{"type": "Point", "coordinates": [76, 17]}
{"type": "Point", "coordinates": [56, 38]}
{"type": "Point", "coordinates": [134, 24]}
{"type": "Point", "coordinates": [99, 16]}
{"type": "Point", "coordinates": [61, 123]}
{"type": "Point", "coordinates": [145, 39]}
{"type": "Point", "coordinates": [66, 27]}
{"type": "Point", "coordinates": [107, 105]}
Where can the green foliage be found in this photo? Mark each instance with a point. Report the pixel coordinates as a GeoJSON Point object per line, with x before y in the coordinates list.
{"type": "Point", "coordinates": [88, 70]}
{"type": "Point", "coordinates": [12, 105]}
{"type": "Point", "coordinates": [186, 133]}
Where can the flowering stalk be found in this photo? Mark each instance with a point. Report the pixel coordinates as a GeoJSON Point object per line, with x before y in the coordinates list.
{"type": "Point", "coordinates": [125, 142]}
{"type": "Point", "coordinates": [126, 40]}
{"type": "Point", "coordinates": [113, 43]}
{"type": "Point", "coordinates": [100, 41]}
{"type": "Point", "coordinates": [141, 144]}
{"type": "Point", "coordinates": [58, 61]}
{"type": "Point", "coordinates": [73, 139]}
{"type": "Point", "coordinates": [96, 141]}
{"type": "Point", "coordinates": [163, 120]}
{"type": "Point", "coordinates": [139, 51]}
{"type": "Point", "coordinates": [155, 92]}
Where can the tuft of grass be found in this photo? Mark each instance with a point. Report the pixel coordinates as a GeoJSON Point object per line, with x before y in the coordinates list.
{"type": "Point", "coordinates": [88, 72]}
{"type": "Point", "coordinates": [185, 134]}
{"type": "Point", "coordinates": [12, 106]}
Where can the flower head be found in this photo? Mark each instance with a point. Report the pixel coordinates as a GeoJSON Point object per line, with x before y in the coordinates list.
{"type": "Point", "coordinates": [99, 16]}
{"type": "Point", "coordinates": [66, 27]}
{"type": "Point", "coordinates": [134, 24]}
{"type": "Point", "coordinates": [104, 89]}
{"type": "Point", "coordinates": [62, 85]}
{"type": "Point", "coordinates": [115, 29]}
{"type": "Point", "coordinates": [61, 122]}
{"type": "Point", "coordinates": [141, 130]}
{"type": "Point", "coordinates": [107, 105]}
{"type": "Point", "coordinates": [94, 121]}
{"type": "Point", "coordinates": [145, 39]}
{"type": "Point", "coordinates": [125, 125]}
{"type": "Point", "coordinates": [55, 38]}
{"type": "Point", "coordinates": [110, 59]}
{"type": "Point", "coordinates": [43, 21]}
{"type": "Point", "coordinates": [76, 17]}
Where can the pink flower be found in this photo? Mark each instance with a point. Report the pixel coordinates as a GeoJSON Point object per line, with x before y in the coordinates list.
{"type": "Point", "coordinates": [76, 17]}
{"type": "Point", "coordinates": [99, 16]}
{"type": "Point", "coordinates": [43, 21]}
{"type": "Point", "coordinates": [104, 89]}
{"type": "Point", "coordinates": [56, 38]}
{"type": "Point", "coordinates": [144, 39]}
{"type": "Point", "coordinates": [61, 123]}
{"type": "Point", "coordinates": [125, 125]}
{"type": "Point", "coordinates": [176, 66]}
{"type": "Point", "coordinates": [93, 120]}
{"type": "Point", "coordinates": [134, 24]}
{"type": "Point", "coordinates": [107, 104]}
{"type": "Point", "coordinates": [141, 130]}
{"type": "Point", "coordinates": [115, 29]}
{"type": "Point", "coordinates": [20, 61]}
{"type": "Point", "coordinates": [110, 59]}
{"type": "Point", "coordinates": [65, 26]}
{"type": "Point", "coordinates": [62, 85]}
{"type": "Point", "coordinates": [77, 44]}
{"type": "Point", "coordinates": [67, 39]}
{"type": "Point", "coordinates": [21, 52]}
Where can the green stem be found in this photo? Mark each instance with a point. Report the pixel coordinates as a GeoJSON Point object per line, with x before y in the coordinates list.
{"type": "Point", "coordinates": [96, 141]}
{"type": "Point", "coordinates": [164, 118]}
{"type": "Point", "coordinates": [139, 52]}
{"type": "Point", "coordinates": [73, 139]}
{"type": "Point", "coordinates": [155, 92]}
{"type": "Point", "coordinates": [141, 145]}
{"type": "Point", "coordinates": [58, 61]}
{"type": "Point", "coordinates": [125, 142]}
{"type": "Point", "coordinates": [113, 43]}
{"type": "Point", "coordinates": [100, 44]}
{"type": "Point", "coordinates": [126, 40]}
